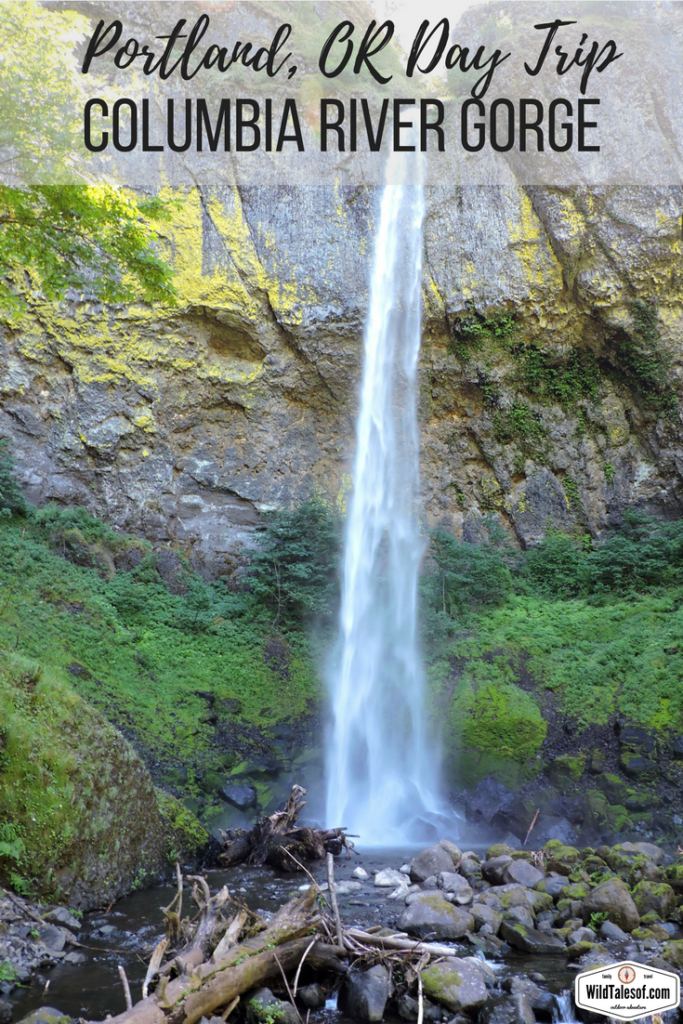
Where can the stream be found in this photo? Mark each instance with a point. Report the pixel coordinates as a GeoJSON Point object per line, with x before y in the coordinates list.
{"type": "Point", "coordinates": [127, 933]}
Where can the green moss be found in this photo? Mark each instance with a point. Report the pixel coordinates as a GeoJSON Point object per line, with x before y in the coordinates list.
{"type": "Point", "coordinates": [185, 836]}
{"type": "Point", "coordinates": [522, 426]}
{"type": "Point", "coordinates": [567, 769]}
{"type": "Point", "coordinates": [559, 857]}
{"type": "Point", "coordinates": [73, 788]}
{"type": "Point", "coordinates": [470, 333]}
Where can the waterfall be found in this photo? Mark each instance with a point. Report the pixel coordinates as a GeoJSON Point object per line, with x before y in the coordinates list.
{"type": "Point", "coordinates": [381, 769]}
{"type": "Point", "coordinates": [563, 1011]}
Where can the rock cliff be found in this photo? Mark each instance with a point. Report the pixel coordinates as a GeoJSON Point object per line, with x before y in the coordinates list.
{"type": "Point", "coordinates": [550, 369]}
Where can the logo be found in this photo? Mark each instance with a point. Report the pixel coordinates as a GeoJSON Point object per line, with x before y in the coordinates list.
{"type": "Point", "coordinates": [627, 990]}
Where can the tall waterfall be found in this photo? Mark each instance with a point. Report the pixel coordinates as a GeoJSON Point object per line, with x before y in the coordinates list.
{"type": "Point", "coordinates": [381, 771]}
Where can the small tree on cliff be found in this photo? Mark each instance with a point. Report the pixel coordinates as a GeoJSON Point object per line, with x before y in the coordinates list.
{"type": "Point", "coordinates": [296, 570]}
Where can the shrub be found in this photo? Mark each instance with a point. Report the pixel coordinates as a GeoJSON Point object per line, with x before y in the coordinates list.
{"type": "Point", "coordinates": [466, 574]}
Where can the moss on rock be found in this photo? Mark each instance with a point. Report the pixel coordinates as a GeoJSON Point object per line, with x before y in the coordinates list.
{"type": "Point", "coordinates": [184, 835]}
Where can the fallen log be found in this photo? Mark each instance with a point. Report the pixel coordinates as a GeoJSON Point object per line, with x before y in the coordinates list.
{"type": "Point", "coordinates": [400, 943]}
{"type": "Point", "coordinates": [215, 983]}
{"type": "Point", "coordinates": [275, 840]}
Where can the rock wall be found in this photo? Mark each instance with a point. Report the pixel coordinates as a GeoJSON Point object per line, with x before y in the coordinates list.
{"type": "Point", "coordinates": [550, 369]}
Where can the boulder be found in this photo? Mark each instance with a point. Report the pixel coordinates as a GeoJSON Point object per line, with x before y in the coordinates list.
{"type": "Point", "coordinates": [456, 984]}
{"type": "Point", "coordinates": [388, 877]}
{"type": "Point", "coordinates": [408, 1009]}
{"type": "Point", "coordinates": [470, 867]}
{"type": "Point", "coordinates": [612, 932]}
{"type": "Point", "coordinates": [359, 873]}
{"type": "Point", "coordinates": [365, 993]}
{"type": "Point", "coordinates": [430, 861]}
{"type": "Point", "coordinates": [53, 937]}
{"type": "Point", "coordinates": [582, 934]}
{"type": "Point", "coordinates": [552, 885]}
{"type": "Point", "coordinates": [493, 869]}
{"type": "Point", "coordinates": [652, 852]}
{"type": "Point", "coordinates": [453, 851]}
{"type": "Point", "coordinates": [530, 940]}
{"type": "Point", "coordinates": [240, 797]}
{"type": "Point", "coordinates": [520, 915]}
{"type": "Point", "coordinates": [64, 918]}
{"type": "Point", "coordinates": [612, 898]}
{"type": "Point", "coordinates": [5, 1012]}
{"type": "Point", "coordinates": [435, 918]}
{"type": "Point", "coordinates": [312, 996]}
{"type": "Point", "coordinates": [560, 858]}
{"type": "Point", "coordinates": [484, 915]}
{"type": "Point", "coordinates": [523, 873]}
{"type": "Point", "coordinates": [673, 953]}
{"type": "Point", "coordinates": [654, 898]}
{"type": "Point", "coordinates": [452, 881]}
{"type": "Point", "coordinates": [46, 1015]}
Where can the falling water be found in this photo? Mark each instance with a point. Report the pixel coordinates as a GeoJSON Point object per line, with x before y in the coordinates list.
{"type": "Point", "coordinates": [381, 771]}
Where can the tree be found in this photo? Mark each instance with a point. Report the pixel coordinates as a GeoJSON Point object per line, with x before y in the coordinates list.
{"type": "Point", "coordinates": [59, 230]}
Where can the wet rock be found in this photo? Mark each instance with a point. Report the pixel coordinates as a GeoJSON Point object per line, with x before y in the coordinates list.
{"type": "Point", "coordinates": [365, 994]}
{"type": "Point", "coordinates": [522, 873]}
{"type": "Point", "coordinates": [240, 797]}
{"type": "Point", "coordinates": [389, 877]}
{"type": "Point", "coordinates": [452, 881]}
{"type": "Point", "coordinates": [64, 917]}
{"type": "Point", "coordinates": [582, 934]}
{"type": "Point", "coordinates": [612, 932]}
{"type": "Point", "coordinates": [408, 1009]}
{"type": "Point", "coordinates": [559, 858]}
{"type": "Point", "coordinates": [360, 873]}
{"type": "Point", "coordinates": [430, 861]}
{"type": "Point", "coordinates": [75, 958]}
{"type": "Point", "coordinates": [264, 1008]}
{"type": "Point", "coordinates": [673, 953]}
{"type": "Point", "coordinates": [435, 918]}
{"type": "Point", "coordinates": [613, 898]}
{"type": "Point", "coordinates": [470, 867]}
{"type": "Point", "coordinates": [540, 1001]}
{"type": "Point", "coordinates": [425, 894]}
{"type": "Point", "coordinates": [312, 996]}
{"type": "Point", "coordinates": [652, 852]}
{"type": "Point", "coordinates": [5, 1012]}
{"type": "Point", "coordinates": [654, 898]}
{"type": "Point", "coordinates": [456, 984]}
{"type": "Point", "coordinates": [530, 940]}
{"type": "Point", "coordinates": [489, 799]}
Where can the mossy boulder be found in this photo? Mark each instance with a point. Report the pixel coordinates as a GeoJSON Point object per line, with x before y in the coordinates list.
{"type": "Point", "coordinates": [184, 835]}
{"type": "Point", "coordinates": [673, 953]}
{"type": "Point", "coordinates": [612, 898]}
{"type": "Point", "coordinates": [631, 864]}
{"type": "Point", "coordinates": [80, 799]}
{"type": "Point", "coordinates": [566, 770]}
{"type": "Point", "coordinates": [605, 814]}
{"type": "Point", "coordinates": [674, 876]}
{"type": "Point", "coordinates": [560, 858]}
{"type": "Point", "coordinates": [455, 984]}
{"type": "Point", "coordinates": [654, 898]}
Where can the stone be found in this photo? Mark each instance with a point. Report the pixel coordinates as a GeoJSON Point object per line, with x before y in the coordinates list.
{"type": "Point", "coordinates": [360, 873]}
{"type": "Point", "coordinates": [522, 873]}
{"type": "Point", "coordinates": [453, 851]}
{"type": "Point", "coordinates": [612, 932]}
{"type": "Point", "coordinates": [552, 885]}
{"type": "Point", "coordinates": [652, 852]}
{"type": "Point", "coordinates": [241, 797]}
{"type": "Point", "coordinates": [470, 868]}
{"type": "Point", "coordinates": [456, 984]}
{"type": "Point", "coordinates": [312, 996]}
{"type": "Point", "coordinates": [264, 1008]}
{"type": "Point", "coordinates": [5, 1011]}
{"type": "Point", "coordinates": [489, 799]}
{"type": "Point", "coordinates": [46, 1015]}
{"type": "Point", "coordinates": [673, 953]}
{"type": "Point", "coordinates": [430, 861]}
{"type": "Point", "coordinates": [75, 958]}
{"type": "Point", "coordinates": [408, 1009]}
{"type": "Point", "coordinates": [64, 917]}
{"type": "Point", "coordinates": [52, 937]}
{"type": "Point", "coordinates": [364, 994]}
{"type": "Point", "coordinates": [452, 881]}
{"type": "Point", "coordinates": [390, 877]}
{"type": "Point", "coordinates": [677, 748]}
{"type": "Point", "coordinates": [654, 898]}
{"type": "Point", "coordinates": [424, 894]}
{"type": "Point", "coordinates": [484, 915]}
{"type": "Point", "coordinates": [437, 919]}
{"type": "Point", "coordinates": [613, 898]}
{"type": "Point", "coordinates": [493, 870]}
{"type": "Point", "coordinates": [583, 934]}
{"type": "Point", "coordinates": [519, 915]}
{"type": "Point", "coordinates": [530, 940]}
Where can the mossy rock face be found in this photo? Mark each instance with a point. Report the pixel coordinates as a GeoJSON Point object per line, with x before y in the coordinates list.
{"type": "Point", "coordinates": [614, 816]}
{"type": "Point", "coordinates": [184, 835]}
{"type": "Point", "coordinates": [81, 799]}
{"type": "Point", "coordinates": [499, 850]}
{"type": "Point", "coordinates": [614, 788]}
{"type": "Point", "coordinates": [566, 770]}
{"type": "Point", "coordinates": [560, 858]}
{"type": "Point", "coordinates": [674, 876]}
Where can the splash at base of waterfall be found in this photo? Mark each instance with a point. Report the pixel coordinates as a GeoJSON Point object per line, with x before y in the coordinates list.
{"type": "Point", "coordinates": [382, 766]}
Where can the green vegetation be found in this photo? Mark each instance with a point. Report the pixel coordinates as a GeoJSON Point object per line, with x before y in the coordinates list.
{"type": "Point", "coordinates": [469, 333]}
{"type": "Point", "coordinates": [522, 425]}
{"type": "Point", "coordinates": [58, 230]}
{"type": "Point", "coordinates": [646, 365]}
{"type": "Point", "coordinates": [562, 380]}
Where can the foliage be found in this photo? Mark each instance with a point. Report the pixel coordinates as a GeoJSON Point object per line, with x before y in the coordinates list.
{"type": "Point", "coordinates": [469, 333]}
{"type": "Point", "coordinates": [645, 362]}
{"type": "Point", "coordinates": [8, 971]}
{"type": "Point", "coordinates": [555, 567]}
{"type": "Point", "coordinates": [59, 230]}
{"type": "Point", "coordinates": [12, 501]}
{"type": "Point", "coordinates": [522, 426]}
{"type": "Point", "coordinates": [466, 574]}
{"type": "Point", "coordinates": [295, 570]}
{"type": "Point", "coordinates": [560, 380]}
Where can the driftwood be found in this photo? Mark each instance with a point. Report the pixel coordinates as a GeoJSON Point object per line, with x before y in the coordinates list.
{"type": "Point", "coordinates": [274, 839]}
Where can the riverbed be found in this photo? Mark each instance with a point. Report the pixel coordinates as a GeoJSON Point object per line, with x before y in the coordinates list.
{"type": "Point", "coordinates": [126, 933]}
